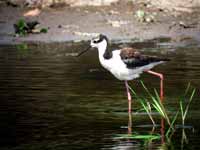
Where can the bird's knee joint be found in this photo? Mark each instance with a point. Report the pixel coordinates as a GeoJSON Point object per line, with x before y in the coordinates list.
{"type": "Point", "coordinates": [161, 76]}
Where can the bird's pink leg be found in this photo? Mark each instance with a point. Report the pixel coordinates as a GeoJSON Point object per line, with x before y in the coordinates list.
{"type": "Point", "coordinates": [161, 82]}
{"type": "Point", "coordinates": [129, 123]}
{"type": "Point", "coordinates": [161, 98]}
{"type": "Point", "coordinates": [129, 96]}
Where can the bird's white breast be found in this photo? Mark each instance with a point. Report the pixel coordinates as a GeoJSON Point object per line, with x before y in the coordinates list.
{"type": "Point", "coordinates": [118, 68]}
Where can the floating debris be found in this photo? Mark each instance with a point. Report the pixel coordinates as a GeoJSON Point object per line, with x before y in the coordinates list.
{"type": "Point", "coordinates": [71, 54]}
{"type": "Point", "coordinates": [33, 12]}
{"type": "Point", "coordinates": [94, 70]}
{"type": "Point", "coordinates": [185, 26]}
{"type": "Point", "coordinates": [70, 26]}
{"type": "Point", "coordinates": [182, 25]}
{"type": "Point", "coordinates": [116, 23]}
{"type": "Point", "coordinates": [113, 12]}
{"type": "Point", "coordinates": [85, 34]}
{"type": "Point", "coordinates": [145, 17]}
{"type": "Point", "coordinates": [140, 14]}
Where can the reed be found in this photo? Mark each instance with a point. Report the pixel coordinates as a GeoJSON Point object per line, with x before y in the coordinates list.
{"type": "Point", "coordinates": [185, 107]}
{"type": "Point", "coordinates": [154, 102]}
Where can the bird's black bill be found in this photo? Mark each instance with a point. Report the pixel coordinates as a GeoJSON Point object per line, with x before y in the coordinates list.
{"type": "Point", "coordinates": [79, 54]}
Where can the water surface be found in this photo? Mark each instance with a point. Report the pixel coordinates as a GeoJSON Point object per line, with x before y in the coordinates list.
{"type": "Point", "coordinates": [52, 100]}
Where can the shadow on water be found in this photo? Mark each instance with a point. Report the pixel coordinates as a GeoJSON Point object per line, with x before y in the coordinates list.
{"type": "Point", "coordinates": [52, 100]}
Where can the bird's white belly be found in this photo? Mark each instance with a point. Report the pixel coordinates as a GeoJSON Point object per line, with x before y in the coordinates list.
{"type": "Point", "coordinates": [124, 73]}
{"type": "Point", "coordinates": [119, 70]}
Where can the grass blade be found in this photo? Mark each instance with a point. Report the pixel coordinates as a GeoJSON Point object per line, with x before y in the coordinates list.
{"type": "Point", "coordinates": [187, 89]}
{"type": "Point", "coordinates": [146, 89]}
{"type": "Point", "coordinates": [190, 100]}
{"type": "Point", "coordinates": [132, 90]}
{"type": "Point", "coordinates": [172, 123]}
{"type": "Point", "coordinates": [147, 108]}
{"type": "Point", "coordinates": [138, 137]}
{"type": "Point", "coordinates": [164, 112]}
{"type": "Point", "coordinates": [158, 108]}
{"type": "Point", "coordinates": [182, 113]}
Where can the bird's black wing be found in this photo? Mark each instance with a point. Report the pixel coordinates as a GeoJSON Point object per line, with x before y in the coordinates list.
{"type": "Point", "coordinates": [133, 58]}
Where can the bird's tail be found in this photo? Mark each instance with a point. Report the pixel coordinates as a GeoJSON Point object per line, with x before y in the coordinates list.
{"type": "Point", "coordinates": [156, 59]}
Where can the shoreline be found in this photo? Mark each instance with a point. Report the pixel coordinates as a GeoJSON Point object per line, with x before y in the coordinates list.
{"type": "Point", "coordinates": [118, 22]}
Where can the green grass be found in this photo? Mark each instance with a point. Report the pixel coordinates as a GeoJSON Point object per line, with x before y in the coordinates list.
{"type": "Point", "coordinates": [185, 107]}
{"type": "Point", "coordinates": [154, 103]}
{"type": "Point", "coordinates": [147, 107]}
{"type": "Point", "coordinates": [21, 27]}
{"type": "Point", "coordinates": [138, 136]}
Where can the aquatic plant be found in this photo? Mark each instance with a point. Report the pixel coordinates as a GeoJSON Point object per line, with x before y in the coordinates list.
{"type": "Point", "coordinates": [20, 27]}
{"type": "Point", "coordinates": [184, 108]}
{"type": "Point", "coordinates": [43, 30]}
{"type": "Point", "coordinates": [143, 16]}
{"type": "Point", "coordinates": [155, 102]}
{"type": "Point", "coordinates": [147, 107]}
{"type": "Point", "coordinates": [23, 27]}
{"type": "Point", "coordinates": [22, 46]}
{"type": "Point", "coordinates": [22, 50]}
{"type": "Point", "coordinates": [138, 136]}
{"type": "Point", "coordinates": [145, 104]}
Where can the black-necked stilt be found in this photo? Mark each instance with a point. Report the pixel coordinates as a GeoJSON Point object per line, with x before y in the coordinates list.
{"type": "Point", "coordinates": [126, 63]}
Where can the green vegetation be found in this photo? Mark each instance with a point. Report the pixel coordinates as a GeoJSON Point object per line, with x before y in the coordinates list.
{"type": "Point", "coordinates": [22, 50]}
{"type": "Point", "coordinates": [23, 27]}
{"type": "Point", "coordinates": [138, 137]}
{"type": "Point", "coordinates": [154, 103]}
{"type": "Point", "coordinates": [185, 107]}
{"type": "Point", "coordinates": [20, 27]}
{"type": "Point", "coordinates": [43, 30]}
{"type": "Point", "coordinates": [22, 46]}
{"type": "Point", "coordinates": [143, 16]}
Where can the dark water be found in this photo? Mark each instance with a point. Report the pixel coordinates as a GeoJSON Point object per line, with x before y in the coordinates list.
{"type": "Point", "coordinates": [52, 100]}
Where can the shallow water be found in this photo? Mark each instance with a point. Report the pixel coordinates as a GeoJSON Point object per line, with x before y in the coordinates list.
{"type": "Point", "coordinates": [53, 100]}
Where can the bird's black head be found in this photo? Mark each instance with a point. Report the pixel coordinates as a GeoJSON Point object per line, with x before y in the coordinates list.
{"type": "Point", "coordinates": [98, 39]}
{"type": "Point", "coordinates": [98, 42]}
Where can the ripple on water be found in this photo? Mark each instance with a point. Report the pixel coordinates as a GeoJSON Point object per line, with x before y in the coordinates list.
{"type": "Point", "coordinates": [53, 100]}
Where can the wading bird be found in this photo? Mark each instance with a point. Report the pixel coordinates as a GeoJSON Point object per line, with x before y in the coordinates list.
{"type": "Point", "coordinates": [125, 64]}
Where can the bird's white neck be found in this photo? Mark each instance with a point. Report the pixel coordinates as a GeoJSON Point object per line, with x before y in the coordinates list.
{"type": "Point", "coordinates": [104, 52]}
{"type": "Point", "coordinates": [102, 48]}
{"type": "Point", "coordinates": [104, 55]}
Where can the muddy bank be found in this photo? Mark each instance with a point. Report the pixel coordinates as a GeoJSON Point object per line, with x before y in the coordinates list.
{"type": "Point", "coordinates": [118, 22]}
